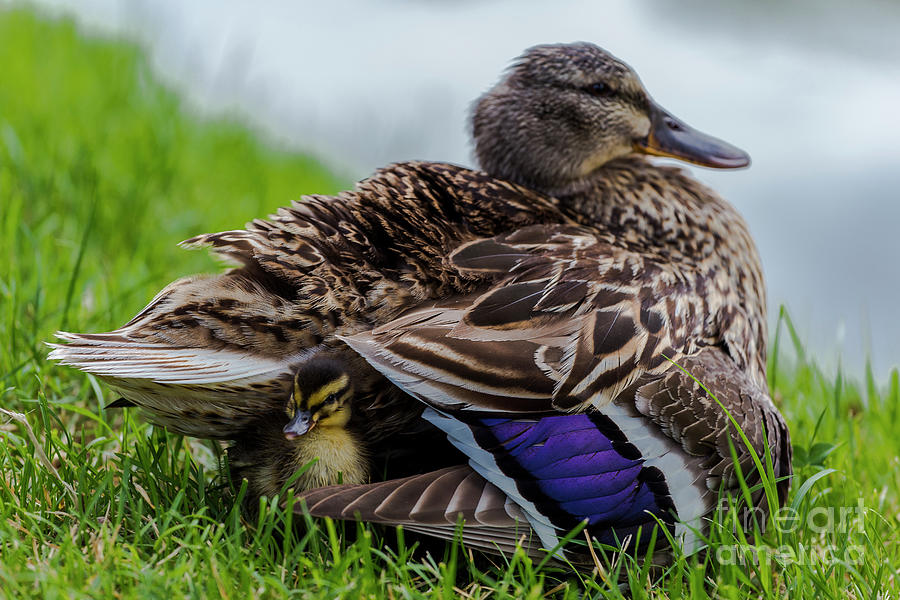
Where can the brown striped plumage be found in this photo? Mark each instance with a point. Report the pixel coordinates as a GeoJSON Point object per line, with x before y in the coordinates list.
{"type": "Point", "coordinates": [578, 269]}
{"type": "Point", "coordinates": [573, 315]}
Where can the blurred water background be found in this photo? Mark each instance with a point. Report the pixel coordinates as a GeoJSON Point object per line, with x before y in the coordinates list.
{"type": "Point", "coordinates": [810, 88]}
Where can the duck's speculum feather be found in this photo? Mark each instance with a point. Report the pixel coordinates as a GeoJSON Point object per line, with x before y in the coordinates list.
{"type": "Point", "coordinates": [579, 467]}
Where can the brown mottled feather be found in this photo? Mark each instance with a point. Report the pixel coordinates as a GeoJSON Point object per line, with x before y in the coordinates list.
{"type": "Point", "coordinates": [571, 310]}
{"type": "Point", "coordinates": [679, 404]}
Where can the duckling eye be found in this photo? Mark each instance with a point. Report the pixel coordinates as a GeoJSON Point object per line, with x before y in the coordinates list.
{"type": "Point", "coordinates": [599, 89]}
{"type": "Point", "coordinates": [331, 399]}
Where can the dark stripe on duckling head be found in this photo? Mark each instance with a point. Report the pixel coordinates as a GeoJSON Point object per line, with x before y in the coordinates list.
{"type": "Point", "coordinates": [577, 467]}
{"type": "Point", "coordinates": [330, 397]}
{"type": "Point", "coordinates": [314, 375]}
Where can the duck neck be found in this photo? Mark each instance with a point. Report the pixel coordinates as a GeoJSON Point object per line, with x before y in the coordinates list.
{"type": "Point", "coordinates": [662, 213]}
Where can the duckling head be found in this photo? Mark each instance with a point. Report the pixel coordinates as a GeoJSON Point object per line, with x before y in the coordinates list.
{"type": "Point", "coordinates": [321, 397]}
{"type": "Point", "coordinates": [562, 111]}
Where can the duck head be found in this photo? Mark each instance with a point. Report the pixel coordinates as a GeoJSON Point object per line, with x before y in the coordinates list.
{"type": "Point", "coordinates": [321, 397]}
{"type": "Point", "coordinates": [564, 110]}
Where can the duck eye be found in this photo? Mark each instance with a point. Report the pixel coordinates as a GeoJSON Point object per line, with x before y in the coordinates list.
{"type": "Point", "coordinates": [599, 89]}
{"type": "Point", "coordinates": [331, 399]}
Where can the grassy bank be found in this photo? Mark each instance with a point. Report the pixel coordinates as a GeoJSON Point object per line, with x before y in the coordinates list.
{"type": "Point", "coordinates": [102, 172]}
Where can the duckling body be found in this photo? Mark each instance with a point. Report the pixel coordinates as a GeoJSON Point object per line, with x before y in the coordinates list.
{"type": "Point", "coordinates": [320, 409]}
{"type": "Point", "coordinates": [338, 456]}
{"type": "Point", "coordinates": [267, 460]}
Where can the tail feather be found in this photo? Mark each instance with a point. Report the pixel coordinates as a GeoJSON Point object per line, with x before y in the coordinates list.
{"type": "Point", "coordinates": [206, 357]}
{"type": "Point", "coordinates": [202, 392]}
{"type": "Point", "coordinates": [160, 363]}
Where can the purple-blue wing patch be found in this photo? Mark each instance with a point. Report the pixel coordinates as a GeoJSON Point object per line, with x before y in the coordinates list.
{"type": "Point", "coordinates": [576, 467]}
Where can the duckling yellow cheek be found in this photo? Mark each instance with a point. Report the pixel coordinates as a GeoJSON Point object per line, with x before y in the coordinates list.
{"type": "Point", "coordinates": [338, 418]}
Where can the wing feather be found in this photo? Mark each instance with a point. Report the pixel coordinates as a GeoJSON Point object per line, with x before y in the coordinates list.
{"type": "Point", "coordinates": [570, 321]}
{"type": "Point", "coordinates": [160, 363]}
{"type": "Point", "coordinates": [438, 503]}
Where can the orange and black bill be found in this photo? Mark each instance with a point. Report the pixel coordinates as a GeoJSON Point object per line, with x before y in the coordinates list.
{"type": "Point", "coordinates": [673, 138]}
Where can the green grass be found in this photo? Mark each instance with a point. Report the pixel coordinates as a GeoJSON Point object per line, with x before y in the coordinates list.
{"type": "Point", "coordinates": [102, 172]}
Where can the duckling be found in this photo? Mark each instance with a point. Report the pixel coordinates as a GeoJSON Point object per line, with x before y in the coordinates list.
{"type": "Point", "coordinates": [318, 433]}
{"type": "Point", "coordinates": [312, 432]}
{"type": "Point", "coordinates": [319, 410]}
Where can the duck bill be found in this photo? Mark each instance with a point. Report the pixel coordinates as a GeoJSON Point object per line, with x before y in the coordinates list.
{"type": "Point", "coordinates": [299, 425]}
{"type": "Point", "coordinates": [674, 138]}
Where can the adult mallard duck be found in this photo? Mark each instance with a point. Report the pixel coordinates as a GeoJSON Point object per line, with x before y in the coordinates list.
{"type": "Point", "coordinates": [562, 138]}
